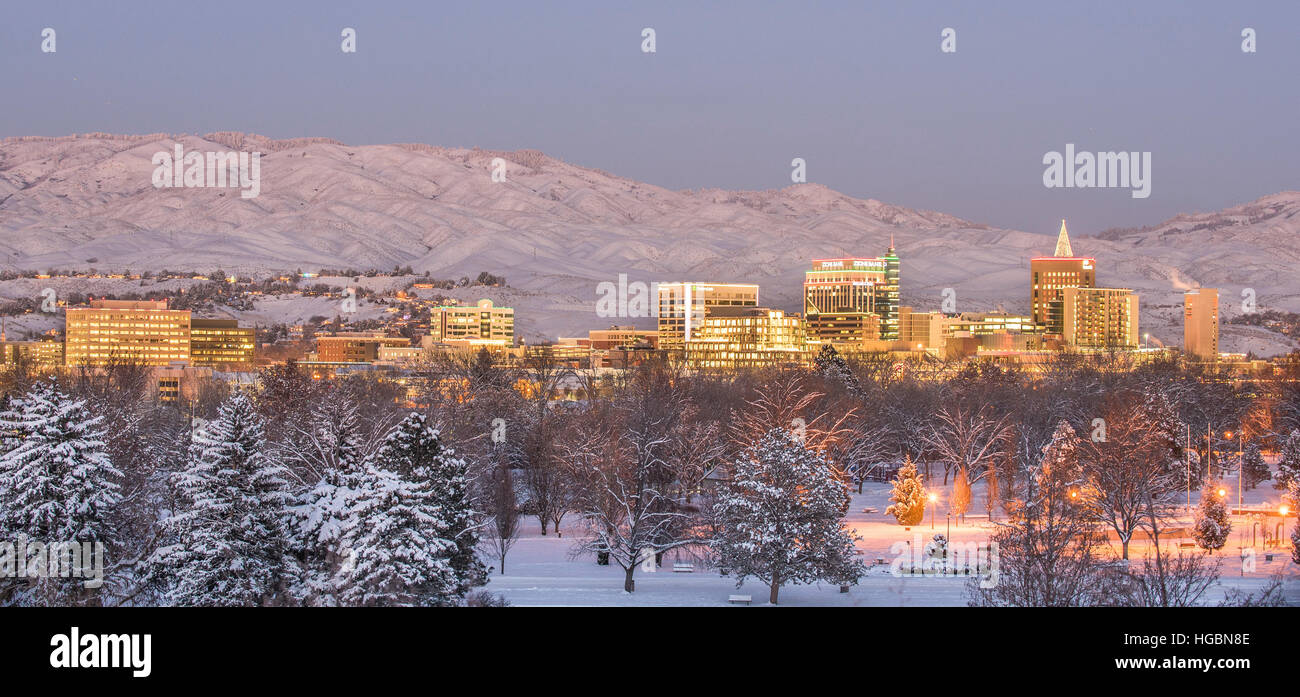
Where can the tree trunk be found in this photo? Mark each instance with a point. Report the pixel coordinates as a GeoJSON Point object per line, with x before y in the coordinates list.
{"type": "Point", "coordinates": [776, 588]}
{"type": "Point", "coordinates": [629, 586]}
{"type": "Point", "coordinates": [543, 519]}
{"type": "Point", "coordinates": [1125, 542]}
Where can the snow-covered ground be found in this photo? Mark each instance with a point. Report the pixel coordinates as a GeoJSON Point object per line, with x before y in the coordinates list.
{"type": "Point", "coordinates": [540, 570]}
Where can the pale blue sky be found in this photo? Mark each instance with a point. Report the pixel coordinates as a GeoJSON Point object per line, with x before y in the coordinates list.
{"type": "Point", "coordinates": [734, 92]}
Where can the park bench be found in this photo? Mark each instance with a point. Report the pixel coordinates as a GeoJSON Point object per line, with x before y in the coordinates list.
{"type": "Point", "coordinates": [683, 568]}
{"type": "Point", "coordinates": [1186, 545]}
{"type": "Point", "coordinates": [737, 599]}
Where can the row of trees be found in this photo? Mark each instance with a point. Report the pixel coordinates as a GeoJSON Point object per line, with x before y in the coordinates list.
{"type": "Point", "coordinates": [642, 462]}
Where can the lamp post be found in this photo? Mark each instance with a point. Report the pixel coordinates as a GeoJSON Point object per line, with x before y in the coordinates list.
{"type": "Point", "coordinates": [932, 499]}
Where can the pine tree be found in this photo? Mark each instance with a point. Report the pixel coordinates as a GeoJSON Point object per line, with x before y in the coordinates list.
{"type": "Point", "coordinates": [831, 366]}
{"type": "Point", "coordinates": [228, 541]}
{"type": "Point", "coordinates": [58, 488]}
{"type": "Point", "coordinates": [1253, 468]}
{"type": "Point", "coordinates": [908, 496]}
{"type": "Point", "coordinates": [1288, 464]}
{"type": "Point", "coordinates": [320, 517]}
{"type": "Point", "coordinates": [409, 531]}
{"type": "Point", "coordinates": [781, 518]}
{"type": "Point", "coordinates": [961, 494]}
{"type": "Point", "coordinates": [1212, 525]}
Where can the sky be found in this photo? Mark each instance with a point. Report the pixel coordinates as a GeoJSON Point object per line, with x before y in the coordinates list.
{"type": "Point", "coordinates": [732, 94]}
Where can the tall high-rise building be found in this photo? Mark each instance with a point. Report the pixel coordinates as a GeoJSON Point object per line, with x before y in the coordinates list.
{"type": "Point", "coordinates": [1050, 276]}
{"type": "Point", "coordinates": [843, 295]}
{"type": "Point", "coordinates": [684, 305]}
{"type": "Point", "coordinates": [1201, 323]}
{"type": "Point", "coordinates": [1100, 318]}
{"type": "Point", "coordinates": [143, 332]}
{"type": "Point", "coordinates": [483, 321]}
{"type": "Point", "coordinates": [220, 342]}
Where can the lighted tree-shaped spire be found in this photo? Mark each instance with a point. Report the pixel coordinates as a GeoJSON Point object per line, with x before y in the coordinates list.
{"type": "Point", "coordinates": [1063, 242]}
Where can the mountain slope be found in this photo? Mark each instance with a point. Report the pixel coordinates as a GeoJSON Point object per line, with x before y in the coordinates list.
{"type": "Point", "coordinates": [555, 230]}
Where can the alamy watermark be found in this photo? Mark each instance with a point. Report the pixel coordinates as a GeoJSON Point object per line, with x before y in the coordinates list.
{"type": "Point", "coordinates": [1103, 170]}
{"type": "Point", "coordinates": [26, 558]}
{"type": "Point", "coordinates": [213, 169]}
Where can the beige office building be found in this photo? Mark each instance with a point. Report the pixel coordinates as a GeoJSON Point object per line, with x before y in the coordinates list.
{"type": "Point", "coordinates": [683, 307]}
{"type": "Point", "coordinates": [1100, 318]}
{"type": "Point", "coordinates": [1201, 323]}
{"type": "Point", "coordinates": [483, 321]}
{"type": "Point", "coordinates": [142, 332]}
{"type": "Point", "coordinates": [747, 337]}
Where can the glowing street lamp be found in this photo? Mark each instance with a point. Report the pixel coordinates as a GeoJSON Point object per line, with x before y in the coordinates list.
{"type": "Point", "coordinates": [1221, 492]}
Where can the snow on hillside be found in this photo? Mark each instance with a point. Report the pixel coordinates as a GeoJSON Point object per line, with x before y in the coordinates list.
{"type": "Point", "coordinates": [555, 230]}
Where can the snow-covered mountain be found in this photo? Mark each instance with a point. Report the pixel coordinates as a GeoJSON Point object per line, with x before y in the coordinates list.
{"type": "Point", "coordinates": [555, 229]}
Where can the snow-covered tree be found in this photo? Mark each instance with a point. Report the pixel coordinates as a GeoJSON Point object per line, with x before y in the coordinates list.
{"type": "Point", "coordinates": [908, 496]}
{"type": "Point", "coordinates": [1045, 551]}
{"type": "Point", "coordinates": [781, 518]}
{"type": "Point", "coordinates": [228, 542]}
{"type": "Point", "coordinates": [1288, 463]}
{"type": "Point", "coordinates": [57, 487]}
{"type": "Point", "coordinates": [1130, 474]}
{"type": "Point", "coordinates": [1253, 468]}
{"type": "Point", "coordinates": [332, 447]}
{"type": "Point", "coordinates": [1212, 525]}
{"type": "Point", "coordinates": [831, 365]}
{"type": "Point", "coordinates": [407, 534]}
{"type": "Point", "coordinates": [632, 469]}
{"type": "Point", "coordinates": [967, 438]}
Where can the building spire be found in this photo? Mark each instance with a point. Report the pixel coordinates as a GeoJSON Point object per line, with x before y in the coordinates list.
{"type": "Point", "coordinates": [1063, 242]}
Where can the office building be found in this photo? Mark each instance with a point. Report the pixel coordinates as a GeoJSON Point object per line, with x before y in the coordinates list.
{"type": "Point", "coordinates": [746, 337]}
{"type": "Point", "coordinates": [1100, 318]}
{"type": "Point", "coordinates": [217, 343]}
{"type": "Point", "coordinates": [1201, 323]}
{"type": "Point", "coordinates": [483, 321]}
{"type": "Point", "coordinates": [355, 347]}
{"type": "Point", "coordinates": [1051, 276]}
{"type": "Point", "coordinates": [850, 289]}
{"type": "Point", "coordinates": [142, 332]}
{"type": "Point", "coordinates": [684, 305]}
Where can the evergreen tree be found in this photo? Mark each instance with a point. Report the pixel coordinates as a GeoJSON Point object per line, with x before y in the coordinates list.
{"type": "Point", "coordinates": [830, 365]}
{"type": "Point", "coordinates": [228, 541]}
{"type": "Point", "coordinates": [1253, 468]}
{"type": "Point", "coordinates": [908, 496]}
{"type": "Point", "coordinates": [450, 477]}
{"type": "Point", "coordinates": [1288, 464]}
{"type": "Point", "coordinates": [409, 531]}
{"type": "Point", "coordinates": [58, 488]}
{"type": "Point", "coordinates": [319, 519]}
{"type": "Point", "coordinates": [1212, 525]}
{"type": "Point", "coordinates": [961, 494]}
{"type": "Point", "coordinates": [781, 518]}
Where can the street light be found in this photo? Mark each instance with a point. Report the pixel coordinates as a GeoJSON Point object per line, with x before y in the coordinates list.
{"type": "Point", "coordinates": [932, 499]}
{"type": "Point", "coordinates": [1222, 492]}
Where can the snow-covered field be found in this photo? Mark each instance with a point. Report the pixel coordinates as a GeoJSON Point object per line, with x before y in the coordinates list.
{"type": "Point", "coordinates": [540, 570]}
